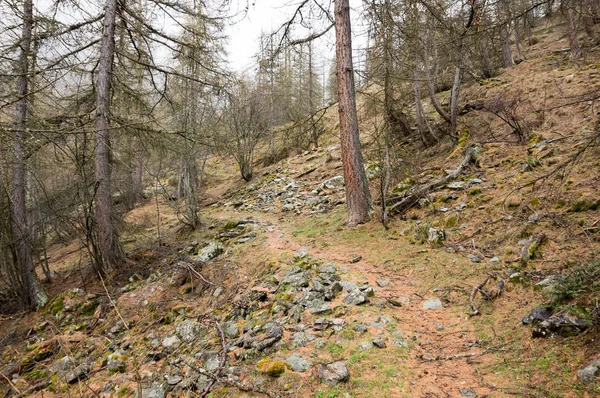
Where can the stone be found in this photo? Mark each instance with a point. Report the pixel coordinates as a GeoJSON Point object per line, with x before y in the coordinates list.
{"type": "Point", "coordinates": [563, 324]}
{"type": "Point", "coordinates": [155, 390]}
{"type": "Point", "coordinates": [300, 340]}
{"type": "Point", "coordinates": [296, 277]}
{"type": "Point", "coordinates": [366, 345]}
{"type": "Point", "coordinates": [382, 282]}
{"type": "Point", "coordinates": [68, 369]}
{"type": "Point", "coordinates": [355, 297]}
{"type": "Point", "coordinates": [456, 185]}
{"type": "Point", "coordinates": [211, 251]}
{"type": "Point", "coordinates": [334, 182]}
{"type": "Point", "coordinates": [348, 286]}
{"type": "Point", "coordinates": [435, 236]}
{"type": "Point", "coordinates": [334, 373]}
{"type": "Point", "coordinates": [537, 315]}
{"type": "Point", "coordinates": [211, 361]}
{"type": "Point", "coordinates": [360, 328]}
{"type": "Point", "coordinates": [173, 380]}
{"type": "Point", "coordinates": [588, 373]}
{"type": "Point", "coordinates": [218, 292]}
{"type": "Point", "coordinates": [321, 324]}
{"type": "Point", "coordinates": [367, 291]}
{"type": "Point", "coordinates": [379, 343]}
{"type": "Point", "coordinates": [288, 207]}
{"type": "Point", "coordinates": [329, 268]}
{"type": "Point", "coordinates": [116, 362]}
{"type": "Point", "coordinates": [467, 392]}
{"type": "Point", "coordinates": [474, 258]}
{"type": "Point", "coordinates": [171, 342]}
{"type": "Point", "coordinates": [549, 284]}
{"type": "Point", "coordinates": [355, 259]}
{"type": "Point", "coordinates": [494, 260]}
{"type": "Point", "coordinates": [376, 325]}
{"type": "Point", "coordinates": [432, 304]}
{"type": "Point", "coordinates": [231, 330]}
{"type": "Point", "coordinates": [297, 363]}
{"type": "Point", "coordinates": [188, 330]}
{"type": "Point", "coordinates": [271, 368]}
{"type": "Point", "coordinates": [323, 309]}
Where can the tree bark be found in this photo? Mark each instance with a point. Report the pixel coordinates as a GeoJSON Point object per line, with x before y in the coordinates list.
{"type": "Point", "coordinates": [507, 60]}
{"type": "Point", "coordinates": [573, 42]}
{"type": "Point", "coordinates": [107, 238]}
{"type": "Point", "coordinates": [34, 295]}
{"type": "Point", "coordinates": [357, 188]}
{"type": "Point", "coordinates": [454, 95]}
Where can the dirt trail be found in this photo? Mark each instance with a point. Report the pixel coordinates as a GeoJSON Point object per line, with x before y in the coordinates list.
{"type": "Point", "coordinates": [443, 342]}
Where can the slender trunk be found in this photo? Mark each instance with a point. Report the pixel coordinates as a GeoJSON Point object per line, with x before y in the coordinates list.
{"type": "Point", "coordinates": [311, 101]}
{"type": "Point", "coordinates": [107, 238]}
{"type": "Point", "coordinates": [488, 66]}
{"type": "Point", "coordinates": [519, 55]}
{"type": "Point", "coordinates": [431, 86]}
{"type": "Point", "coordinates": [357, 188]}
{"type": "Point", "coordinates": [419, 106]}
{"type": "Point", "coordinates": [454, 96]}
{"type": "Point", "coordinates": [588, 18]}
{"type": "Point", "coordinates": [507, 60]}
{"type": "Point", "coordinates": [573, 42]}
{"type": "Point", "coordinates": [34, 295]}
{"type": "Point", "coordinates": [138, 172]}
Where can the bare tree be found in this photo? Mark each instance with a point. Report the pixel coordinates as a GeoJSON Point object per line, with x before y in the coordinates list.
{"type": "Point", "coordinates": [357, 188]}
{"type": "Point", "coordinates": [34, 295]}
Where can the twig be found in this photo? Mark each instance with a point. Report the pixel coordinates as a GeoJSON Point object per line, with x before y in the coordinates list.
{"type": "Point", "coordinates": [198, 274]}
{"type": "Point", "coordinates": [112, 302]}
{"type": "Point", "coordinates": [473, 293]}
{"type": "Point", "coordinates": [449, 358]}
{"type": "Point", "coordinates": [12, 385]}
{"type": "Point", "coordinates": [222, 362]}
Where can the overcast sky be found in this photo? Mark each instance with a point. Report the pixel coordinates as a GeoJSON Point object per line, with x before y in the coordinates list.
{"type": "Point", "coordinates": [267, 15]}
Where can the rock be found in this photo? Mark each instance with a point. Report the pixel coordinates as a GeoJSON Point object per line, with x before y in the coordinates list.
{"type": "Point", "coordinates": [171, 342]}
{"type": "Point", "coordinates": [367, 291]}
{"type": "Point", "coordinates": [211, 251]}
{"type": "Point", "coordinates": [549, 284]}
{"type": "Point", "coordinates": [435, 236]}
{"type": "Point", "coordinates": [297, 363]}
{"type": "Point", "coordinates": [296, 277]}
{"type": "Point", "coordinates": [116, 362]}
{"type": "Point", "coordinates": [379, 343]}
{"type": "Point", "coordinates": [563, 324]}
{"type": "Point", "coordinates": [376, 325]}
{"type": "Point", "coordinates": [588, 373]}
{"type": "Point", "coordinates": [383, 282]}
{"type": "Point", "coordinates": [467, 392]}
{"type": "Point", "coordinates": [329, 268]}
{"type": "Point", "coordinates": [173, 380]}
{"type": "Point", "coordinates": [335, 182]}
{"type": "Point", "coordinates": [348, 286]}
{"type": "Point", "coordinates": [360, 328]}
{"type": "Point", "coordinates": [366, 345]}
{"type": "Point", "coordinates": [230, 330]}
{"type": "Point", "coordinates": [456, 185]}
{"type": "Point", "coordinates": [432, 304]}
{"type": "Point", "coordinates": [494, 260]}
{"type": "Point", "coordinates": [68, 369]}
{"type": "Point", "coordinates": [153, 391]}
{"type": "Point", "coordinates": [188, 330]}
{"type": "Point", "coordinates": [218, 292]}
{"type": "Point", "coordinates": [355, 259]}
{"type": "Point", "coordinates": [321, 324]}
{"type": "Point", "coordinates": [211, 361]}
{"type": "Point", "coordinates": [271, 368]}
{"type": "Point", "coordinates": [474, 258]}
{"type": "Point", "coordinates": [323, 309]}
{"type": "Point", "coordinates": [300, 340]}
{"type": "Point", "coordinates": [334, 373]}
{"type": "Point", "coordinates": [288, 207]}
{"type": "Point", "coordinates": [537, 315]}
{"type": "Point", "coordinates": [355, 297]}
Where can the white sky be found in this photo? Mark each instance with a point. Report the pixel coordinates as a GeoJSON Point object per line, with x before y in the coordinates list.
{"type": "Point", "coordinates": [268, 15]}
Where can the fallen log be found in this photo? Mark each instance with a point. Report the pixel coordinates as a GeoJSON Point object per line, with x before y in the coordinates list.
{"type": "Point", "coordinates": [402, 203]}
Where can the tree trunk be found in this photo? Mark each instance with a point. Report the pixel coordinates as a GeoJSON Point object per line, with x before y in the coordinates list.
{"type": "Point", "coordinates": [311, 100]}
{"type": "Point", "coordinates": [588, 18]}
{"type": "Point", "coordinates": [431, 86]}
{"type": "Point", "coordinates": [454, 95]}
{"type": "Point", "coordinates": [34, 295]}
{"type": "Point", "coordinates": [519, 55]}
{"type": "Point", "coordinates": [108, 245]}
{"type": "Point", "coordinates": [507, 60]}
{"type": "Point", "coordinates": [573, 42]}
{"type": "Point", "coordinates": [357, 188]}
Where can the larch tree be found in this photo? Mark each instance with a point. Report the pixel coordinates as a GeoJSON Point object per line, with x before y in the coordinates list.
{"type": "Point", "coordinates": [358, 199]}
{"type": "Point", "coordinates": [34, 296]}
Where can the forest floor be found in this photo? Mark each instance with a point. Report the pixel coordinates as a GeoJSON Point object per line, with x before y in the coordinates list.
{"type": "Point", "coordinates": [277, 281]}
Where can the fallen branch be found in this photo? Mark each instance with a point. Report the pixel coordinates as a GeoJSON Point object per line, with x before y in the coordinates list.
{"type": "Point", "coordinates": [222, 362]}
{"type": "Point", "coordinates": [411, 197]}
{"type": "Point", "coordinates": [450, 357]}
{"type": "Point", "coordinates": [473, 293]}
{"type": "Point", "coordinates": [198, 274]}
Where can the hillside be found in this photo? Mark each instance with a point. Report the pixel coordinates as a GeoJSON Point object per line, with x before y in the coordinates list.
{"type": "Point", "coordinates": [275, 296]}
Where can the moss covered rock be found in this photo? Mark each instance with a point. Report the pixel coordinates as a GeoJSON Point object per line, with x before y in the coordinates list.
{"type": "Point", "coordinates": [271, 368]}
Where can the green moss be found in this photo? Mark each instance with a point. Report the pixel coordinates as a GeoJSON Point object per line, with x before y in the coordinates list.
{"type": "Point", "coordinates": [56, 305]}
{"type": "Point", "coordinates": [560, 203]}
{"type": "Point", "coordinates": [451, 222]}
{"type": "Point", "coordinates": [124, 392]}
{"type": "Point", "coordinates": [270, 367]}
{"type": "Point", "coordinates": [474, 191]}
{"type": "Point", "coordinates": [584, 204]}
{"type": "Point", "coordinates": [37, 374]}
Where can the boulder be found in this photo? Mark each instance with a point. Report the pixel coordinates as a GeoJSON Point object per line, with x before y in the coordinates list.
{"type": "Point", "coordinates": [334, 373]}
{"type": "Point", "coordinates": [297, 363]}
